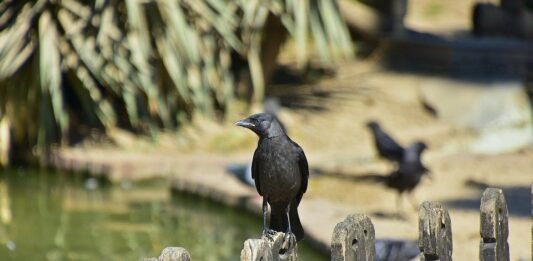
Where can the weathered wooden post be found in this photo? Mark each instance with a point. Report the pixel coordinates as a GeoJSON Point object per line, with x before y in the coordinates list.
{"type": "Point", "coordinates": [353, 239]}
{"type": "Point", "coordinates": [269, 249]}
{"type": "Point", "coordinates": [435, 232]}
{"type": "Point", "coordinates": [494, 226]}
{"type": "Point", "coordinates": [172, 254]}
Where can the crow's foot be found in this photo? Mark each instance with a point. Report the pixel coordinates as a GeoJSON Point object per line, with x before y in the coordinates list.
{"type": "Point", "coordinates": [269, 233]}
{"type": "Point", "coordinates": [289, 242]}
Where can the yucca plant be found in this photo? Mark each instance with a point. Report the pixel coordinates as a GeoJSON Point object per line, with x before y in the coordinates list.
{"type": "Point", "coordinates": [68, 65]}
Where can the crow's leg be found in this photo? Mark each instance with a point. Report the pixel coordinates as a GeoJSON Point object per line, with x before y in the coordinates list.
{"type": "Point", "coordinates": [266, 231]}
{"type": "Point", "coordinates": [289, 230]}
{"type": "Point", "coordinates": [265, 210]}
{"type": "Point", "coordinates": [289, 240]}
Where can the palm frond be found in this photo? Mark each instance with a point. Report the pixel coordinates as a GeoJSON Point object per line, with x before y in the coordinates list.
{"type": "Point", "coordinates": [143, 64]}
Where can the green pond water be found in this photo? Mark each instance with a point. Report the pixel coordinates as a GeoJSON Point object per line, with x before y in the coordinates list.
{"type": "Point", "coordinates": [54, 216]}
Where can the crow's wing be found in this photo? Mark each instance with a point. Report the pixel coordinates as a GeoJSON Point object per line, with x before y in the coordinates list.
{"type": "Point", "coordinates": [388, 146]}
{"type": "Point", "coordinates": [304, 170]}
{"type": "Point", "coordinates": [256, 166]}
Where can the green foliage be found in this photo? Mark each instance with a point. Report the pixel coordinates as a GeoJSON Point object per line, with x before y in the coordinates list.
{"type": "Point", "coordinates": [140, 64]}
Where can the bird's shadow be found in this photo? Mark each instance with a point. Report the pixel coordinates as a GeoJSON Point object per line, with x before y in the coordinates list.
{"type": "Point", "coordinates": [368, 177]}
{"type": "Point", "coordinates": [517, 198]}
{"type": "Point", "coordinates": [390, 215]}
{"type": "Point", "coordinates": [351, 176]}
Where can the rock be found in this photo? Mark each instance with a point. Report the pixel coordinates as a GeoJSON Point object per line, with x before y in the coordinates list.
{"type": "Point", "coordinates": [174, 254]}
{"type": "Point", "coordinates": [171, 254]}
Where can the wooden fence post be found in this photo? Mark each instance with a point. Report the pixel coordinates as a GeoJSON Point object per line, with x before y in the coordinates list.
{"type": "Point", "coordinates": [269, 249]}
{"type": "Point", "coordinates": [435, 232]}
{"type": "Point", "coordinates": [172, 254]}
{"type": "Point", "coordinates": [494, 226]}
{"type": "Point", "coordinates": [353, 239]}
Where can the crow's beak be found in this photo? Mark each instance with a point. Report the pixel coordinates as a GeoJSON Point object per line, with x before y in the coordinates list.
{"type": "Point", "coordinates": [245, 123]}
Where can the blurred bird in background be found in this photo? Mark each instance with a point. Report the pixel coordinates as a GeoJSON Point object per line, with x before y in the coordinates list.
{"type": "Point", "coordinates": [386, 146]}
{"type": "Point", "coordinates": [409, 168]}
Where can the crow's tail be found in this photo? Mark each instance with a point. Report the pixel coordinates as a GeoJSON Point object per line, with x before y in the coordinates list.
{"type": "Point", "coordinates": [278, 219]}
{"type": "Point", "coordinates": [296, 225]}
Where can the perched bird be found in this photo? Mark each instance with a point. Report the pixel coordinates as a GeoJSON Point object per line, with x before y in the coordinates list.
{"type": "Point", "coordinates": [280, 172]}
{"type": "Point", "coordinates": [243, 172]}
{"type": "Point", "coordinates": [408, 173]}
{"type": "Point", "coordinates": [386, 146]}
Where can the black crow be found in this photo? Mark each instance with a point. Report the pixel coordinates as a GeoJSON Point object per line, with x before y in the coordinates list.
{"type": "Point", "coordinates": [408, 173]}
{"type": "Point", "coordinates": [410, 169]}
{"type": "Point", "coordinates": [280, 172]}
{"type": "Point", "coordinates": [386, 146]}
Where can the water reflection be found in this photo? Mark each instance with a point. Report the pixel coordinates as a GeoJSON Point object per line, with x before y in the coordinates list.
{"type": "Point", "coordinates": [50, 216]}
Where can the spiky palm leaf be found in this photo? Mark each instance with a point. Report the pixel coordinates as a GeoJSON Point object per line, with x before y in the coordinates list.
{"type": "Point", "coordinates": [141, 64]}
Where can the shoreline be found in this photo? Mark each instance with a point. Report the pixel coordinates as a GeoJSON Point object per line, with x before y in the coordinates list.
{"type": "Point", "coordinates": [123, 166]}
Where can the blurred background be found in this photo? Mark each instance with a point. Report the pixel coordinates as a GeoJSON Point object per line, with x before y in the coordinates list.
{"type": "Point", "coordinates": [116, 119]}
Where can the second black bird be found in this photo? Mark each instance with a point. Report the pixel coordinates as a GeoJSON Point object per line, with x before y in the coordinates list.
{"type": "Point", "coordinates": [386, 146]}
{"type": "Point", "coordinates": [410, 169]}
{"type": "Point", "coordinates": [408, 173]}
{"type": "Point", "coordinates": [280, 172]}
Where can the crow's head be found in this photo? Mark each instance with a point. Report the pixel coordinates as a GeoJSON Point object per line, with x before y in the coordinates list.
{"type": "Point", "coordinates": [372, 125]}
{"type": "Point", "coordinates": [420, 146]}
{"type": "Point", "coordinates": [264, 125]}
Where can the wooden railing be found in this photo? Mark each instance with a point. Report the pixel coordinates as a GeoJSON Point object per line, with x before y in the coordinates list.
{"type": "Point", "coordinates": [354, 238]}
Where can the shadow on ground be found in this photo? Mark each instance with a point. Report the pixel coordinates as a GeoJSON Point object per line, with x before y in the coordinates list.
{"type": "Point", "coordinates": [389, 215]}
{"type": "Point", "coordinates": [518, 199]}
